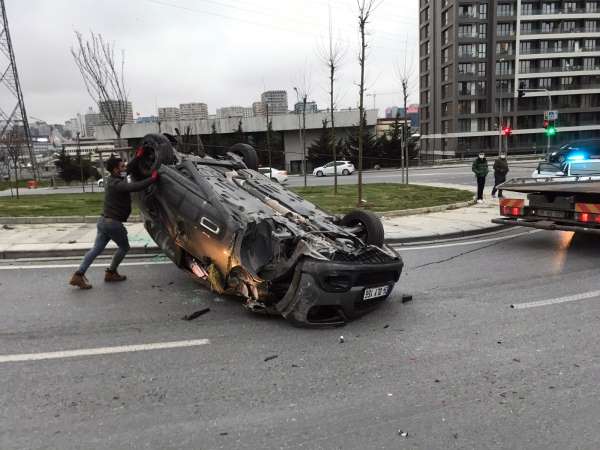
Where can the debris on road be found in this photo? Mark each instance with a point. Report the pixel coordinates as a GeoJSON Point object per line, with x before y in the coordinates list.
{"type": "Point", "coordinates": [402, 433]}
{"type": "Point", "coordinates": [7, 227]}
{"type": "Point", "coordinates": [386, 326]}
{"type": "Point", "coordinates": [72, 242]}
{"type": "Point", "coordinates": [269, 358]}
{"type": "Point", "coordinates": [407, 298]}
{"type": "Point", "coordinates": [196, 314]}
{"type": "Point", "coordinates": [341, 339]}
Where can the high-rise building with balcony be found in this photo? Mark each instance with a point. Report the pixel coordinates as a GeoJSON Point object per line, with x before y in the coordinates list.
{"type": "Point", "coordinates": [168, 114]}
{"type": "Point", "coordinates": [476, 55]}
{"type": "Point", "coordinates": [234, 111]}
{"type": "Point", "coordinates": [116, 110]}
{"type": "Point", "coordinates": [276, 102]}
{"type": "Point", "coordinates": [193, 111]}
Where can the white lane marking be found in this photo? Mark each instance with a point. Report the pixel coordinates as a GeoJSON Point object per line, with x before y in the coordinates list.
{"type": "Point", "coordinates": [102, 351]}
{"type": "Point", "coordinates": [461, 244]}
{"type": "Point", "coordinates": [71, 266]}
{"type": "Point", "coordinates": [555, 301]}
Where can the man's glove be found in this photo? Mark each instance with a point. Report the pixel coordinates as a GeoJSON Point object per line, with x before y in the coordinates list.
{"type": "Point", "coordinates": [154, 175]}
{"type": "Point", "coordinates": [139, 152]}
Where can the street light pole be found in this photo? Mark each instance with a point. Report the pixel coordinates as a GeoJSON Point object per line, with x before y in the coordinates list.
{"type": "Point", "coordinates": [549, 94]}
{"type": "Point", "coordinates": [79, 161]}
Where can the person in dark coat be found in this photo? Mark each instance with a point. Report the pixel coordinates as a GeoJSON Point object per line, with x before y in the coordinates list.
{"type": "Point", "coordinates": [500, 171]}
{"type": "Point", "coordinates": [480, 169]}
{"type": "Point", "coordinates": [117, 208]}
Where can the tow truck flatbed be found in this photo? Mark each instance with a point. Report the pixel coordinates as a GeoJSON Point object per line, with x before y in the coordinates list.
{"type": "Point", "coordinates": [569, 203]}
{"type": "Point", "coordinates": [562, 185]}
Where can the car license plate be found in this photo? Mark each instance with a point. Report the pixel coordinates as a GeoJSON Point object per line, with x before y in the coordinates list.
{"type": "Point", "coordinates": [372, 293]}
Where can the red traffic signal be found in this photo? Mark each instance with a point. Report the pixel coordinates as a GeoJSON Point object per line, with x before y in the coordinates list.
{"type": "Point", "coordinates": [507, 131]}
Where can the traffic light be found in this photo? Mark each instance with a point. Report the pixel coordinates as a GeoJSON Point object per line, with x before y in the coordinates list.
{"type": "Point", "coordinates": [506, 131]}
{"type": "Point", "coordinates": [550, 128]}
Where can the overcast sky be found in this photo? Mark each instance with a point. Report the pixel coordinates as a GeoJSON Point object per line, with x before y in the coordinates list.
{"type": "Point", "coordinates": [221, 52]}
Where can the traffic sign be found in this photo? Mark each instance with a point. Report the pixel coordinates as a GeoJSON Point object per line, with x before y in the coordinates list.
{"type": "Point", "coordinates": [551, 115]}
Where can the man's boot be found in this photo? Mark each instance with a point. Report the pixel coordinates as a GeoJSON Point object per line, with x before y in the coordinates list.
{"type": "Point", "coordinates": [113, 276]}
{"type": "Point", "coordinates": [79, 280]}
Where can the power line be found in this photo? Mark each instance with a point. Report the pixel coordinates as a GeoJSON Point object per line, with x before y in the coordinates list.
{"type": "Point", "coordinates": [247, 21]}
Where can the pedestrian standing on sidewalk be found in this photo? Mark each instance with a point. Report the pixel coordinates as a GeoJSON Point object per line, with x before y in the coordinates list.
{"type": "Point", "coordinates": [480, 169]}
{"type": "Point", "coordinates": [500, 171]}
{"type": "Point", "coordinates": [117, 208]}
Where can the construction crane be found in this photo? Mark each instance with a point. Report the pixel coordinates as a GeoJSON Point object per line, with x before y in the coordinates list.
{"type": "Point", "coordinates": [375, 94]}
{"type": "Point", "coordinates": [11, 93]}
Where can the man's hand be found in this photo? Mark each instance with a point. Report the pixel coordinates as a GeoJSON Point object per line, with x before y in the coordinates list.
{"type": "Point", "coordinates": [154, 175]}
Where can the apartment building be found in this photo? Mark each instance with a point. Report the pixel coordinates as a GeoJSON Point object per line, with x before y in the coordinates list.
{"type": "Point", "coordinates": [475, 56]}
{"type": "Point", "coordinates": [276, 102]}
{"type": "Point", "coordinates": [193, 111]}
{"type": "Point", "coordinates": [168, 114]}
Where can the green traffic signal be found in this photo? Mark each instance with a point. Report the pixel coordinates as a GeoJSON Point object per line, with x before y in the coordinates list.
{"type": "Point", "coordinates": [551, 130]}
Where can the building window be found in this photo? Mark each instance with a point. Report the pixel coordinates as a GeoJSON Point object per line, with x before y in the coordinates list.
{"type": "Point", "coordinates": [483, 11]}
{"type": "Point", "coordinates": [482, 51]}
{"type": "Point", "coordinates": [545, 83]}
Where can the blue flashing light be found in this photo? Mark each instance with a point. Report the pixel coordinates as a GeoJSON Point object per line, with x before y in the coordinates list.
{"type": "Point", "coordinates": [577, 157]}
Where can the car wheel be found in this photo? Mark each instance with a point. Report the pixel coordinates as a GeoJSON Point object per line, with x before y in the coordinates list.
{"type": "Point", "coordinates": [345, 172]}
{"type": "Point", "coordinates": [247, 153]}
{"type": "Point", "coordinates": [275, 180]}
{"type": "Point", "coordinates": [157, 151]}
{"type": "Point", "coordinates": [371, 228]}
{"type": "Point", "coordinates": [319, 173]}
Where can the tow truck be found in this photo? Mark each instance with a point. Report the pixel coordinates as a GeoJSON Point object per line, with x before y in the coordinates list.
{"type": "Point", "coordinates": [566, 203]}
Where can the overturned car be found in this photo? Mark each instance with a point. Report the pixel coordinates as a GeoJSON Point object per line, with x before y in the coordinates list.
{"type": "Point", "coordinates": [239, 233]}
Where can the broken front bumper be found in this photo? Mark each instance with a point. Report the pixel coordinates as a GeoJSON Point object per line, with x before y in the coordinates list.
{"type": "Point", "coordinates": [324, 293]}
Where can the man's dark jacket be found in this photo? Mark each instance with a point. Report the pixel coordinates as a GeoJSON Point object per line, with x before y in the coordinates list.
{"type": "Point", "coordinates": [117, 196]}
{"type": "Point", "coordinates": [500, 168]}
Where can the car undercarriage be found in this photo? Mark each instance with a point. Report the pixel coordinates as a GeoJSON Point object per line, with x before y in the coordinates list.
{"type": "Point", "coordinates": [239, 233]}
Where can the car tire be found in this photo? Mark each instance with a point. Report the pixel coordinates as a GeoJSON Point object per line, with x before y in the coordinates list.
{"type": "Point", "coordinates": [157, 151]}
{"type": "Point", "coordinates": [275, 180]}
{"type": "Point", "coordinates": [247, 153]}
{"type": "Point", "coordinates": [319, 173]}
{"type": "Point", "coordinates": [372, 229]}
{"type": "Point", "coordinates": [345, 172]}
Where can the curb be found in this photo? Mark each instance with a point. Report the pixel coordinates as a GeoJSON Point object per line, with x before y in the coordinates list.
{"type": "Point", "coordinates": [20, 254]}
{"type": "Point", "coordinates": [427, 210]}
{"type": "Point", "coordinates": [138, 219]}
{"type": "Point", "coordinates": [57, 219]}
{"type": "Point", "coordinates": [437, 237]}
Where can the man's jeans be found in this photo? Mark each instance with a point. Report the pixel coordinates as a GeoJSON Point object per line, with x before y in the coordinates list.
{"type": "Point", "coordinates": [108, 229]}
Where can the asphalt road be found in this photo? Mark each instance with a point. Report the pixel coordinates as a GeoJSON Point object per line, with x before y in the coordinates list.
{"type": "Point", "coordinates": [455, 368]}
{"type": "Point", "coordinates": [453, 175]}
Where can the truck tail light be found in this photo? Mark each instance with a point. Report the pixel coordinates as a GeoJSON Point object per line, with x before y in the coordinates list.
{"type": "Point", "coordinates": [512, 207]}
{"type": "Point", "coordinates": [587, 217]}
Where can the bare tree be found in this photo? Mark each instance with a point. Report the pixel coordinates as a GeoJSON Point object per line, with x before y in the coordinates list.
{"type": "Point", "coordinates": [404, 74]}
{"type": "Point", "coordinates": [332, 57]}
{"type": "Point", "coordinates": [366, 8]}
{"type": "Point", "coordinates": [104, 77]}
{"type": "Point", "coordinates": [302, 94]}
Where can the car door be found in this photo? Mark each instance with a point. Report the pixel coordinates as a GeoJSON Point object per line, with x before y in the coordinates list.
{"type": "Point", "coordinates": [328, 169]}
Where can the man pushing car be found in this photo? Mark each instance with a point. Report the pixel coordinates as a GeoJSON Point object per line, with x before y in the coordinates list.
{"type": "Point", "coordinates": [117, 208]}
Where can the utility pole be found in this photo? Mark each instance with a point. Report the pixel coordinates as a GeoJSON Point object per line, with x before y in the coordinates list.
{"type": "Point", "coordinates": [80, 164]}
{"type": "Point", "coordinates": [268, 139]}
{"type": "Point", "coordinates": [9, 81]}
{"type": "Point", "coordinates": [521, 93]}
{"type": "Point", "coordinates": [304, 137]}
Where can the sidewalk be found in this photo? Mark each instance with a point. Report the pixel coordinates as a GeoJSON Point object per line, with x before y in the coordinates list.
{"type": "Point", "coordinates": [74, 239]}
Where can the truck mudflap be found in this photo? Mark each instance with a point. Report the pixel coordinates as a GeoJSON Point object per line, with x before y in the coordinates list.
{"type": "Point", "coordinates": [546, 225]}
{"type": "Point", "coordinates": [323, 293]}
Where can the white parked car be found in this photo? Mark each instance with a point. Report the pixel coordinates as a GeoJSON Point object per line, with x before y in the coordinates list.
{"type": "Point", "coordinates": [281, 176]}
{"type": "Point", "coordinates": [341, 167]}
